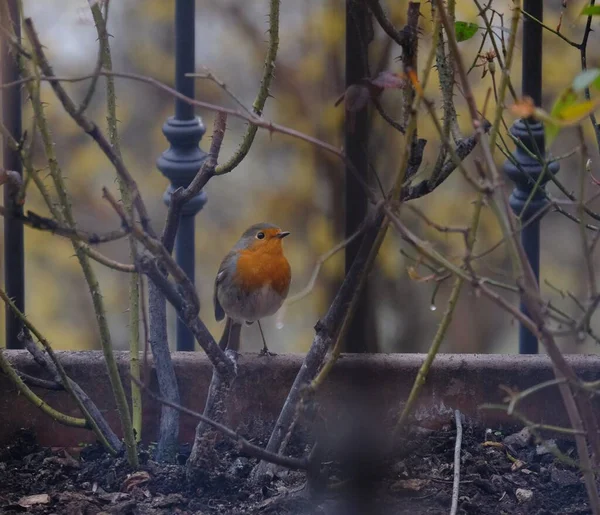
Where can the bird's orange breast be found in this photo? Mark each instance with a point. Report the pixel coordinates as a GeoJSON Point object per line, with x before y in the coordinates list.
{"type": "Point", "coordinates": [256, 269]}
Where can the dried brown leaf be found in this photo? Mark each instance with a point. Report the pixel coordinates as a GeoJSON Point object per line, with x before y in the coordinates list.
{"type": "Point", "coordinates": [33, 500]}
{"type": "Point", "coordinates": [413, 485]}
{"type": "Point", "coordinates": [390, 80]}
{"type": "Point", "coordinates": [523, 108]}
{"type": "Point", "coordinates": [134, 480]}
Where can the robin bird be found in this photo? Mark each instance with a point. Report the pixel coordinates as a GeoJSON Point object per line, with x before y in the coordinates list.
{"type": "Point", "coordinates": [252, 282]}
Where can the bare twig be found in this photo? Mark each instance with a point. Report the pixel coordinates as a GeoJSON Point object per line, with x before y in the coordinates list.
{"type": "Point", "coordinates": [87, 125]}
{"type": "Point", "coordinates": [103, 38]}
{"type": "Point", "coordinates": [399, 36]}
{"type": "Point", "coordinates": [156, 248]}
{"type": "Point", "coordinates": [445, 67]}
{"type": "Point", "coordinates": [320, 261]}
{"type": "Point", "coordinates": [209, 75]}
{"type": "Point", "coordinates": [205, 173]}
{"type": "Point", "coordinates": [90, 410]}
{"type": "Point", "coordinates": [65, 213]}
{"type": "Point", "coordinates": [263, 92]}
{"type": "Point", "coordinates": [15, 378]}
{"type": "Point", "coordinates": [457, 446]}
{"type": "Point", "coordinates": [43, 223]}
{"type": "Point", "coordinates": [89, 421]}
{"type": "Point", "coordinates": [36, 382]}
{"type": "Point", "coordinates": [583, 52]}
{"type": "Point", "coordinates": [326, 331]}
{"type": "Point", "coordinates": [189, 315]}
{"type": "Point", "coordinates": [105, 60]}
{"type": "Point", "coordinates": [244, 445]}
{"type": "Point", "coordinates": [587, 255]}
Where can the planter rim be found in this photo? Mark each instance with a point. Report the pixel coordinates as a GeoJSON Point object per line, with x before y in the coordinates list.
{"type": "Point", "coordinates": [380, 381]}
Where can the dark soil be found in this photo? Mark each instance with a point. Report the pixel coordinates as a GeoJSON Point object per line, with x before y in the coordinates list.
{"type": "Point", "coordinates": [514, 477]}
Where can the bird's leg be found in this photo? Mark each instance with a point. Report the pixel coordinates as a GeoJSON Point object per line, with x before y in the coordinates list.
{"type": "Point", "coordinates": [265, 351]}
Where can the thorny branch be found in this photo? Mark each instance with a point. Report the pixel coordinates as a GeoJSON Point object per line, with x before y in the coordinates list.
{"type": "Point", "coordinates": [43, 223]}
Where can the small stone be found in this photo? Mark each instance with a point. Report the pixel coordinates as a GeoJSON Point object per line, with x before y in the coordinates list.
{"type": "Point", "coordinates": [523, 495]}
{"type": "Point", "coordinates": [546, 448]}
{"type": "Point", "coordinates": [563, 477]}
{"type": "Point", "coordinates": [518, 440]}
{"type": "Point", "coordinates": [238, 467]}
{"type": "Point", "coordinates": [485, 485]}
{"type": "Point", "coordinates": [114, 497]}
{"type": "Point", "coordinates": [168, 501]}
{"type": "Point", "coordinates": [497, 481]}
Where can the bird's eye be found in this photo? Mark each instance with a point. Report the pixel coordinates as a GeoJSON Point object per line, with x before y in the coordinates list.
{"type": "Point", "coordinates": [260, 235]}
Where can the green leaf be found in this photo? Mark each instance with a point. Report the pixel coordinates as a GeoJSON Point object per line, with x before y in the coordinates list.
{"type": "Point", "coordinates": [567, 98]}
{"type": "Point", "coordinates": [585, 79]}
{"type": "Point", "coordinates": [591, 10]}
{"type": "Point", "coordinates": [465, 30]}
{"type": "Point", "coordinates": [551, 130]}
{"type": "Point", "coordinates": [569, 109]}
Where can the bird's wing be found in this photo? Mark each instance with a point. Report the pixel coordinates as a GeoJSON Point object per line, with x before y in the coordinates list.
{"type": "Point", "coordinates": [226, 268]}
{"type": "Point", "coordinates": [219, 313]}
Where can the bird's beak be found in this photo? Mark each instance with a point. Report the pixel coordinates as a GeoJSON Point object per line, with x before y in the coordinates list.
{"type": "Point", "coordinates": [283, 234]}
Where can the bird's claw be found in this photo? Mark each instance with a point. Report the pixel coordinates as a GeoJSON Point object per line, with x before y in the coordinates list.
{"type": "Point", "coordinates": [266, 352]}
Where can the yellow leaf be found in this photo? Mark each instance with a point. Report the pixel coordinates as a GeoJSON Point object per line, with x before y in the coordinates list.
{"type": "Point", "coordinates": [412, 273]}
{"type": "Point", "coordinates": [576, 112]}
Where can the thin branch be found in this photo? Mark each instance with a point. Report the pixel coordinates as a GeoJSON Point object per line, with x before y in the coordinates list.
{"type": "Point", "coordinates": [87, 125]}
{"type": "Point", "coordinates": [15, 378]}
{"type": "Point", "coordinates": [91, 412]}
{"type": "Point", "coordinates": [102, 36]}
{"type": "Point", "coordinates": [209, 75]}
{"type": "Point", "coordinates": [36, 382]}
{"type": "Point", "coordinates": [583, 54]}
{"type": "Point", "coordinates": [325, 332]}
{"type": "Point", "coordinates": [263, 92]}
{"type": "Point", "coordinates": [555, 32]}
{"type": "Point", "coordinates": [515, 399]}
{"type": "Point", "coordinates": [89, 273]}
{"type": "Point", "coordinates": [243, 445]}
{"type": "Point", "coordinates": [399, 36]}
{"type": "Point", "coordinates": [587, 256]}
{"type": "Point", "coordinates": [100, 21]}
{"type": "Point", "coordinates": [260, 122]}
{"type": "Point", "coordinates": [106, 261]}
{"type": "Point", "coordinates": [457, 447]}
{"type": "Point", "coordinates": [189, 315]}
{"type": "Point", "coordinates": [205, 173]}
{"type": "Point", "coordinates": [156, 248]}
{"type": "Point", "coordinates": [393, 123]}
{"type": "Point", "coordinates": [445, 67]}
{"type": "Point", "coordinates": [43, 223]}
{"type": "Point", "coordinates": [320, 261]}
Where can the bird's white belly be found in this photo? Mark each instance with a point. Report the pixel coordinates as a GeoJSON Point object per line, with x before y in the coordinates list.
{"type": "Point", "coordinates": [258, 304]}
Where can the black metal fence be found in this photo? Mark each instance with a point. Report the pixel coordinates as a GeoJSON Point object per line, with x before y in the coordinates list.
{"type": "Point", "coordinates": [182, 160]}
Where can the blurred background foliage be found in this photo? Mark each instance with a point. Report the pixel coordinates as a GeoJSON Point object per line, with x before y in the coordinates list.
{"type": "Point", "coordinates": [282, 180]}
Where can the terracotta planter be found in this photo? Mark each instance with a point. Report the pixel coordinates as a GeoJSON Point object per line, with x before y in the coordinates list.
{"type": "Point", "coordinates": [379, 383]}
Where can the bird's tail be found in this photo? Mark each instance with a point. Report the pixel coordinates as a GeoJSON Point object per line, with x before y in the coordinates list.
{"type": "Point", "coordinates": [230, 338]}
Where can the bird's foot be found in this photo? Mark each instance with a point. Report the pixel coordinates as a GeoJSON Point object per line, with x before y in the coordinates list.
{"type": "Point", "coordinates": [266, 352]}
